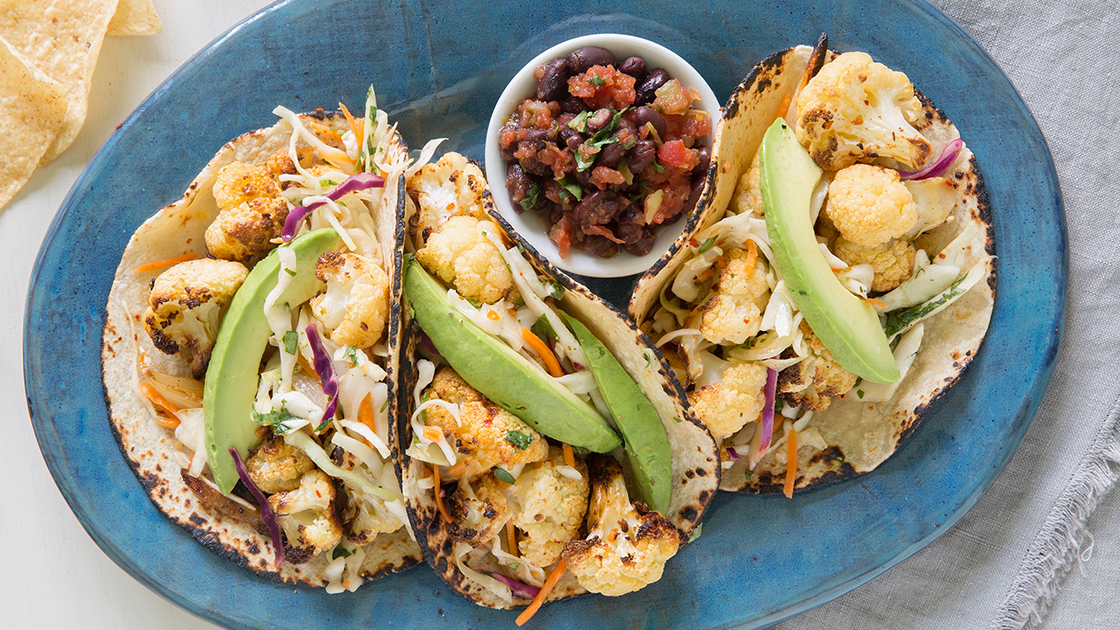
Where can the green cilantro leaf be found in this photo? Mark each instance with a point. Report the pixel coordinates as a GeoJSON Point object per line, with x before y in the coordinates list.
{"type": "Point", "coordinates": [519, 439]}
{"type": "Point", "coordinates": [291, 341]}
{"type": "Point", "coordinates": [503, 475]}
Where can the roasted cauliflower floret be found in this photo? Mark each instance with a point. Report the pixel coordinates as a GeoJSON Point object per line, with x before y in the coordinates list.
{"type": "Point", "coordinates": [355, 307]}
{"type": "Point", "coordinates": [814, 381]}
{"type": "Point", "coordinates": [309, 516]}
{"type": "Point", "coordinates": [857, 110]}
{"type": "Point", "coordinates": [450, 187]}
{"type": "Point", "coordinates": [626, 545]}
{"type": "Point", "coordinates": [186, 306]}
{"type": "Point", "coordinates": [893, 262]}
{"type": "Point", "coordinates": [276, 466]}
{"type": "Point", "coordinates": [460, 253]}
{"type": "Point", "coordinates": [364, 516]}
{"type": "Point", "coordinates": [733, 313]}
{"type": "Point", "coordinates": [485, 433]}
{"type": "Point", "coordinates": [869, 205]}
{"type": "Point", "coordinates": [552, 507]}
{"type": "Point", "coordinates": [727, 406]}
{"type": "Point", "coordinates": [478, 510]}
{"type": "Point", "coordinates": [252, 212]}
{"type": "Point", "coordinates": [748, 192]}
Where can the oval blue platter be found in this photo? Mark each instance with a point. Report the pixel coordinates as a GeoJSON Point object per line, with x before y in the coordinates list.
{"type": "Point", "coordinates": [438, 68]}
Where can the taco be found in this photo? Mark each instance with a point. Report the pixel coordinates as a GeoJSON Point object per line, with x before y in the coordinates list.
{"type": "Point", "coordinates": [896, 206]}
{"type": "Point", "coordinates": [250, 347]}
{"type": "Point", "coordinates": [519, 485]}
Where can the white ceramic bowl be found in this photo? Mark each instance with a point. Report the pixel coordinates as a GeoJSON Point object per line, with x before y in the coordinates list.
{"type": "Point", "coordinates": [531, 226]}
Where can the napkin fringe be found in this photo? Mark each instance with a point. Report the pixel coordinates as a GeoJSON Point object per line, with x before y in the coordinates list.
{"type": "Point", "coordinates": [1064, 540]}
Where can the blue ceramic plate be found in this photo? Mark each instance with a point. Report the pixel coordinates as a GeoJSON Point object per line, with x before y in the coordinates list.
{"type": "Point", "coordinates": [438, 68]}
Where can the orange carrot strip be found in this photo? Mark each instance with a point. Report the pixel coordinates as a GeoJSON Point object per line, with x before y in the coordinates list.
{"type": "Point", "coordinates": [493, 316]}
{"type": "Point", "coordinates": [458, 469]}
{"type": "Point", "coordinates": [512, 536]}
{"type": "Point", "coordinates": [365, 414]}
{"type": "Point", "coordinates": [170, 423]}
{"type": "Point", "coordinates": [549, 583]}
{"type": "Point", "coordinates": [543, 352]}
{"type": "Point", "coordinates": [877, 303]}
{"type": "Point", "coordinates": [432, 434]}
{"type": "Point", "coordinates": [752, 254]}
{"type": "Point", "coordinates": [327, 131]}
{"type": "Point", "coordinates": [569, 456]}
{"type": "Point", "coordinates": [306, 367]}
{"type": "Point", "coordinates": [439, 500]}
{"type": "Point", "coordinates": [350, 121]}
{"type": "Point", "coordinates": [152, 266]}
{"type": "Point", "coordinates": [158, 400]}
{"type": "Point", "coordinates": [785, 104]}
{"type": "Point", "coordinates": [791, 464]}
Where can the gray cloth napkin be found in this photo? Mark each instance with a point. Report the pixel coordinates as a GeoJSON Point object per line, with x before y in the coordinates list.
{"type": "Point", "coordinates": [1033, 553]}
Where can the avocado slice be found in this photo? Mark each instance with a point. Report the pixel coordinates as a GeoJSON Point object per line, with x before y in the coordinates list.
{"type": "Point", "coordinates": [231, 378]}
{"type": "Point", "coordinates": [847, 325]}
{"type": "Point", "coordinates": [647, 444]}
{"type": "Point", "coordinates": [499, 373]}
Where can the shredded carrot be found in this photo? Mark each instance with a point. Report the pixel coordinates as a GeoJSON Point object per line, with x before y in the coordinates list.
{"type": "Point", "coordinates": [169, 422]}
{"type": "Point", "coordinates": [752, 253]}
{"type": "Point", "coordinates": [158, 400]}
{"type": "Point", "coordinates": [306, 367]}
{"type": "Point", "coordinates": [432, 434]}
{"type": "Point", "coordinates": [791, 464]}
{"type": "Point", "coordinates": [785, 104]}
{"type": "Point", "coordinates": [353, 123]}
{"type": "Point", "coordinates": [569, 456]}
{"type": "Point", "coordinates": [543, 352]}
{"type": "Point", "coordinates": [327, 131]}
{"type": "Point", "coordinates": [877, 302]}
{"type": "Point", "coordinates": [493, 316]}
{"type": "Point", "coordinates": [152, 266]}
{"type": "Point", "coordinates": [513, 313]}
{"type": "Point", "coordinates": [458, 469]}
{"type": "Point", "coordinates": [365, 413]}
{"type": "Point", "coordinates": [512, 535]}
{"type": "Point", "coordinates": [439, 500]}
{"type": "Point", "coordinates": [549, 583]}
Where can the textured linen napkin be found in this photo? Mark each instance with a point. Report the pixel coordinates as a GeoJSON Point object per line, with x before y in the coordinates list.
{"type": "Point", "coordinates": [1033, 552]}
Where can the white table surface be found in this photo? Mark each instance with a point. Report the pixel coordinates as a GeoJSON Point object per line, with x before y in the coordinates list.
{"type": "Point", "coordinates": [53, 576]}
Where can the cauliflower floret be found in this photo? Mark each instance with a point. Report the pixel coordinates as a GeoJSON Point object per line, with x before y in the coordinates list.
{"type": "Point", "coordinates": [478, 510]}
{"type": "Point", "coordinates": [450, 187]}
{"type": "Point", "coordinates": [733, 313]}
{"type": "Point", "coordinates": [748, 192]}
{"type": "Point", "coordinates": [552, 508]}
{"type": "Point", "coordinates": [856, 110]}
{"type": "Point", "coordinates": [276, 466]}
{"type": "Point", "coordinates": [309, 516]}
{"type": "Point", "coordinates": [186, 306]}
{"type": "Point", "coordinates": [252, 212]}
{"type": "Point", "coordinates": [728, 405]}
{"type": "Point", "coordinates": [460, 253]}
{"type": "Point", "coordinates": [626, 545]}
{"type": "Point", "coordinates": [869, 205]}
{"type": "Point", "coordinates": [893, 262]}
{"type": "Point", "coordinates": [814, 381]}
{"type": "Point", "coordinates": [364, 516]}
{"type": "Point", "coordinates": [355, 307]}
{"type": "Point", "coordinates": [486, 433]}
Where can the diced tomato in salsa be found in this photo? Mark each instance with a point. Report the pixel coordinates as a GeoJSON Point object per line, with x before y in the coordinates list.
{"type": "Point", "coordinates": [673, 154]}
{"type": "Point", "coordinates": [603, 86]}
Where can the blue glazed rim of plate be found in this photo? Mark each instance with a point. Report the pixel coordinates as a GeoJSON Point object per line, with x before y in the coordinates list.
{"type": "Point", "coordinates": [792, 561]}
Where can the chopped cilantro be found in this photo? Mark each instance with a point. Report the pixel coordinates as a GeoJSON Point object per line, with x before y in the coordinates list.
{"type": "Point", "coordinates": [474, 303]}
{"type": "Point", "coordinates": [352, 354]}
{"type": "Point", "coordinates": [503, 475]}
{"type": "Point", "coordinates": [596, 81]}
{"type": "Point", "coordinates": [543, 330]}
{"type": "Point", "coordinates": [341, 552]}
{"type": "Point", "coordinates": [657, 167]}
{"type": "Point", "coordinates": [570, 184]}
{"type": "Point", "coordinates": [274, 419]}
{"type": "Point", "coordinates": [779, 404]}
{"type": "Point", "coordinates": [900, 320]}
{"type": "Point", "coordinates": [384, 405]}
{"type": "Point", "coordinates": [859, 392]}
{"type": "Point", "coordinates": [291, 341]}
{"type": "Point", "coordinates": [519, 439]}
{"type": "Point", "coordinates": [290, 272]}
{"type": "Point", "coordinates": [530, 200]}
{"type": "Point", "coordinates": [555, 289]}
{"type": "Point", "coordinates": [706, 245]}
{"type": "Point", "coordinates": [579, 123]}
{"type": "Point", "coordinates": [749, 474]}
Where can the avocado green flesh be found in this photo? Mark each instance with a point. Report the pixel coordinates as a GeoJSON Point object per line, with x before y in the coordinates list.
{"type": "Point", "coordinates": [499, 373]}
{"type": "Point", "coordinates": [231, 378]}
{"type": "Point", "coordinates": [647, 444]}
{"type": "Point", "coordinates": [847, 325]}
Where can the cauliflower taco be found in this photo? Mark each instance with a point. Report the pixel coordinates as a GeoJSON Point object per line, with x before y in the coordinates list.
{"type": "Point", "coordinates": [250, 348]}
{"type": "Point", "coordinates": [548, 450]}
{"type": "Point", "coordinates": [840, 276]}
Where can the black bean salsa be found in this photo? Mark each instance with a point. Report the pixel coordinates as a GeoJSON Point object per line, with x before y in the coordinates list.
{"type": "Point", "coordinates": [606, 152]}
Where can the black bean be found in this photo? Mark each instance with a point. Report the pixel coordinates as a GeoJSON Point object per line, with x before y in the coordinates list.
{"type": "Point", "coordinates": [583, 177]}
{"type": "Point", "coordinates": [581, 59]}
{"type": "Point", "coordinates": [537, 136]}
{"type": "Point", "coordinates": [633, 66]}
{"type": "Point", "coordinates": [642, 155]}
{"type": "Point", "coordinates": [599, 119]}
{"type": "Point", "coordinates": [600, 246]}
{"type": "Point", "coordinates": [570, 137]}
{"type": "Point", "coordinates": [705, 155]}
{"type": "Point", "coordinates": [646, 87]}
{"type": "Point", "coordinates": [642, 245]}
{"type": "Point", "coordinates": [554, 82]}
{"type": "Point", "coordinates": [572, 104]}
{"type": "Point", "coordinates": [597, 208]}
{"type": "Point", "coordinates": [518, 184]}
{"type": "Point", "coordinates": [640, 116]}
{"type": "Point", "coordinates": [610, 155]}
{"type": "Point", "coordinates": [694, 195]}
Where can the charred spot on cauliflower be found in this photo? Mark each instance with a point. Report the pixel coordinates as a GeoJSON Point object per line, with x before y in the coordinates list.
{"type": "Point", "coordinates": [727, 406]}
{"type": "Point", "coordinates": [309, 516]}
{"type": "Point", "coordinates": [460, 253]}
{"type": "Point", "coordinates": [451, 187]}
{"type": "Point", "coordinates": [251, 212]}
{"type": "Point", "coordinates": [627, 545]}
{"type": "Point", "coordinates": [869, 205]}
{"type": "Point", "coordinates": [733, 313]}
{"type": "Point", "coordinates": [485, 433]}
{"type": "Point", "coordinates": [364, 516]}
{"type": "Point", "coordinates": [478, 510]}
{"type": "Point", "coordinates": [186, 305]}
{"type": "Point", "coordinates": [816, 380]}
{"type": "Point", "coordinates": [857, 110]}
{"type": "Point", "coordinates": [893, 262]}
{"type": "Point", "coordinates": [355, 307]}
{"type": "Point", "coordinates": [552, 507]}
{"type": "Point", "coordinates": [276, 466]}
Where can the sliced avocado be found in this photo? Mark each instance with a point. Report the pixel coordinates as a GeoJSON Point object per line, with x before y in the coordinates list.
{"type": "Point", "coordinates": [647, 444]}
{"type": "Point", "coordinates": [231, 378]}
{"type": "Point", "coordinates": [499, 373]}
{"type": "Point", "coordinates": [847, 325]}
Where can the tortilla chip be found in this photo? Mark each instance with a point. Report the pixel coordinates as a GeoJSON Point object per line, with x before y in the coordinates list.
{"type": "Point", "coordinates": [32, 108]}
{"type": "Point", "coordinates": [62, 38]}
{"type": "Point", "coordinates": [135, 17]}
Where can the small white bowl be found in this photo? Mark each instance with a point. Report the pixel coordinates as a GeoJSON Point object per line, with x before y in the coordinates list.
{"type": "Point", "coordinates": [531, 226]}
